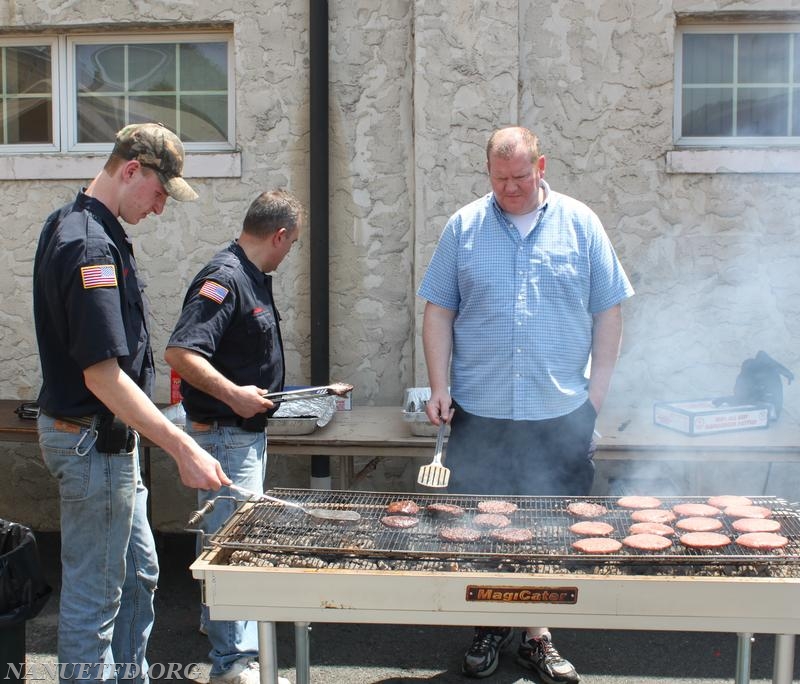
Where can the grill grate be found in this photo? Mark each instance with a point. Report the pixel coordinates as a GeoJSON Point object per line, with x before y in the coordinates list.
{"type": "Point", "coordinates": [269, 527]}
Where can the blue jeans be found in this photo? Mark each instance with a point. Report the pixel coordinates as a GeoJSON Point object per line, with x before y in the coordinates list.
{"type": "Point", "coordinates": [109, 567]}
{"type": "Point", "coordinates": [243, 456]}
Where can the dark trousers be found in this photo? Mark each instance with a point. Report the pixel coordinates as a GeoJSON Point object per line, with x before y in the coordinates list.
{"type": "Point", "coordinates": [526, 457]}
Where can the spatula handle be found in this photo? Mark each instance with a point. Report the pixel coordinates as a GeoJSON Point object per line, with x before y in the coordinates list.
{"type": "Point", "coordinates": [437, 456]}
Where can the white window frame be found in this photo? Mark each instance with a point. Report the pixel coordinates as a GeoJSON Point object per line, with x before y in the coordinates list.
{"type": "Point", "coordinates": [731, 142]}
{"type": "Point", "coordinates": [52, 42]}
{"type": "Point", "coordinates": [64, 160]}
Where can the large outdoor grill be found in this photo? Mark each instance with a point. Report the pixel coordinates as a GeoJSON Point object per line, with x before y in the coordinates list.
{"type": "Point", "coordinates": [272, 563]}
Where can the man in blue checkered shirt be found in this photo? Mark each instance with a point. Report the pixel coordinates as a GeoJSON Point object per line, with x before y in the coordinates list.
{"type": "Point", "coordinates": [523, 288]}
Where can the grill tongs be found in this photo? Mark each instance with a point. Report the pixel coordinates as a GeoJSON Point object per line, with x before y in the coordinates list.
{"type": "Point", "coordinates": [338, 389]}
{"type": "Point", "coordinates": [321, 514]}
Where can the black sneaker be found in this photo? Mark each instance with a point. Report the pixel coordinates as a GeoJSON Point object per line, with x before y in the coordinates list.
{"type": "Point", "coordinates": [539, 654]}
{"type": "Point", "coordinates": [482, 657]}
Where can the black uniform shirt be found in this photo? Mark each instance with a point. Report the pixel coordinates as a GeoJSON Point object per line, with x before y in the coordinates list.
{"type": "Point", "coordinates": [88, 306]}
{"type": "Point", "coordinates": [229, 317]}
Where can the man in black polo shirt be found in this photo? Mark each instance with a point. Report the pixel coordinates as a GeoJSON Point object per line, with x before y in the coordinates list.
{"type": "Point", "coordinates": [97, 373]}
{"type": "Point", "coordinates": [228, 351]}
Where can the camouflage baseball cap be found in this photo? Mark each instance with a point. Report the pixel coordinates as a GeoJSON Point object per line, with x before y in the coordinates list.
{"type": "Point", "coordinates": [156, 147]}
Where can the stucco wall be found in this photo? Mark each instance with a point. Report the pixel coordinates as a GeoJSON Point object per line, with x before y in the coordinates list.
{"type": "Point", "coordinates": [416, 88]}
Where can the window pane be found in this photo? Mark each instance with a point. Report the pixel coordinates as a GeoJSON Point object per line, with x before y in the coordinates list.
{"type": "Point", "coordinates": [707, 58]}
{"type": "Point", "coordinates": [28, 70]}
{"type": "Point", "coordinates": [30, 120]}
{"type": "Point", "coordinates": [204, 118]}
{"type": "Point", "coordinates": [707, 111]}
{"type": "Point", "coordinates": [763, 58]}
{"type": "Point", "coordinates": [100, 68]}
{"type": "Point", "coordinates": [99, 118]}
{"type": "Point", "coordinates": [151, 68]}
{"type": "Point", "coordinates": [795, 112]}
{"type": "Point", "coordinates": [204, 66]}
{"type": "Point", "coordinates": [762, 111]}
{"type": "Point", "coordinates": [161, 108]}
{"type": "Point", "coordinates": [796, 69]}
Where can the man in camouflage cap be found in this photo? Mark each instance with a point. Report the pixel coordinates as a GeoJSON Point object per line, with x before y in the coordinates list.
{"type": "Point", "coordinates": [156, 147]}
{"type": "Point", "coordinates": [97, 374]}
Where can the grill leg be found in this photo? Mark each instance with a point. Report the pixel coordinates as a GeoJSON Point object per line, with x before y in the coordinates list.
{"type": "Point", "coordinates": [743, 651]}
{"type": "Point", "coordinates": [302, 653]}
{"type": "Point", "coordinates": [267, 653]}
{"type": "Point", "coordinates": [784, 659]}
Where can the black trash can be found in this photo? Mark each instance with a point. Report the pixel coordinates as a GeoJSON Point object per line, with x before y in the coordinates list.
{"type": "Point", "coordinates": [23, 593]}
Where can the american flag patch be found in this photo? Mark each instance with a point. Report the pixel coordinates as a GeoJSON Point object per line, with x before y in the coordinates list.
{"type": "Point", "coordinates": [214, 291]}
{"type": "Point", "coordinates": [99, 276]}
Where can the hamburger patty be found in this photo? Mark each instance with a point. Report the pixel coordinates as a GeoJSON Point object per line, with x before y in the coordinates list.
{"type": "Point", "coordinates": [763, 541]}
{"type": "Point", "coordinates": [496, 506]}
{"type": "Point", "coordinates": [704, 540]}
{"type": "Point", "coordinates": [639, 502]}
{"type": "Point", "coordinates": [491, 520]}
{"type": "Point", "coordinates": [653, 515]}
{"type": "Point", "coordinates": [651, 528]}
{"type": "Point", "coordinates": [647, 542]}
{"type": "Point", "coordinates": [405, 507]}
{"type": "Point", "coordinates": [512, 535]}
{"type": "Point", "coordinates": [586, 509]}
{"type": "Point", "coordinates": [591, 528]}
{"type": "Point", "coordinates": [459, 534]}
{"type": "Point", "coordinates": [400, 522]}
{"type": "Point", "coordinates": [597, 545]}
{"type": "Point", "coordinates": [699, 524]}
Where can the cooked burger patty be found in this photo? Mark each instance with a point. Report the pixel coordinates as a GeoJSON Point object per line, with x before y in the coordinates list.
{"type": "Point", "coordinates": [495, 506]}
{"type": "Point", "coordinates": [491, 520]}
{"type": "Point", "coordinates": [445, 510]}
{"type": "Point", "coordinates": [406, 507]}
{"type": "Point", "coordinates": [459, 534]}
{"type": "Point", "coordinates": [512, 535]}
{"type": "Point", "coordinates": [586, 509]}
{"type": "Point", "coordinates": [400, 521]}
{"type": "Point", "coordinates": [647, 542]}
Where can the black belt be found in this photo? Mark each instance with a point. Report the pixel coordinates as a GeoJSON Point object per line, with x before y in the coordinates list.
{"type": "Point", "coordinates": [82, 421]}
{"type": "Point", "coordinates": [112, 435]}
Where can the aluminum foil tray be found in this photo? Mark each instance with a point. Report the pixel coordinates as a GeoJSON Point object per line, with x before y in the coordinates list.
{"type": "Point", "coordinates": [414, 415]}
{"type": "Point", "coordinates": [300, 425]}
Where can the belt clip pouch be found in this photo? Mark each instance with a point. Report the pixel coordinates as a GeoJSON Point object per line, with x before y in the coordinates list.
{"type": "Point", "coordinates": [112, 435]}
{"type": "Point", "coordinates": [255, 424]}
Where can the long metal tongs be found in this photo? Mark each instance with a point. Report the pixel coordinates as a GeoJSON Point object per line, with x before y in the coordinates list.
{"type": "Point", "coordinates": [435, 474]}
{"type": "Point", "coordinates": [323, 514]}
{"type": "Point", "coordinates": [338, 389]}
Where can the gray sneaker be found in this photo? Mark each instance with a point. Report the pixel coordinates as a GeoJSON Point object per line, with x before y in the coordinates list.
{"type": "Point", "coordinates": [483, 655]}
{"type": "Point", "coordinates": [243, 671]}
{"type": "Point", "coordinates": [540, 655]}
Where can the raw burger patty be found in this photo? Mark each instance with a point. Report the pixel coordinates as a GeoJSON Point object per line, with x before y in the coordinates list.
{"type": "Point", "coordinates": [704, 540]}
{"type": "Point", "coordinates": [400, 521]}
{"type": "Point", "coordinates": [696, 510]}
{"type": "Point", "coordinates": [402, 508]}
{"type": "Point", "coordinates": [503, 507]}
{"type": "Point", "coordinates": [762, 540]}
{"type": "Point", "coordinates": [459, 534]}
{"type": "Point", "coordinates": [586, 509]}
{"type": "Point", "coordinates": [491, 520]}
{"type": "Point", "coordinates": [639, 502]}
{"type": "Point", "coordinates": [748, 512]}
{"type": "Point", "coordinates": [699, 524]}
{"type": "Point", "coordinates": [755, 525]}
{"type": "Point", "coordinates": [597, 545]}
{"type": "Point", "coordinates": [651, 528]}
{"type": "Point", "coordinates": [512, 535]}
{"type": "Point", "coordinates": [726, 500]}
{"type": "Point", "coordinates": [647, 542]}
{"type": "Point", "coordinates": [591, 528]}
{"type": "Point", "coordinates": [445, 510]}
{"type": "Point", "coordinates": [653, 515]}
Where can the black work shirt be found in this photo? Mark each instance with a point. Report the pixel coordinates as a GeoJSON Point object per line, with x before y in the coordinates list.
{"type": "Point", "coordinates": [229, 317]}
{"type": "Point", "coordinates": [88, 306]}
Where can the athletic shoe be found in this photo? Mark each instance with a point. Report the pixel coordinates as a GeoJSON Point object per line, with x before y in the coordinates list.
{"type": "Point", "coordinates": [482, 657]}
{"type": "Point", "coordinates": [540, 655]}
{"type": "Point", "coordinates": [243, 671]}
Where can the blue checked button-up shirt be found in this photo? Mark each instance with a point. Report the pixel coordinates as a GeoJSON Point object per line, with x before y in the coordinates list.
{"type": "Point", "coordinates": [522, 334]}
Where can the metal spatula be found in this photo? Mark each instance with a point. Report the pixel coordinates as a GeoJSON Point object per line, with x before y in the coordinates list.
{"type": "Point", "coordinates": [435, 474]}
{"type": "Point", "coordinates": [321, 514]}
{"type": "Point", "coordinates": [338, 389]}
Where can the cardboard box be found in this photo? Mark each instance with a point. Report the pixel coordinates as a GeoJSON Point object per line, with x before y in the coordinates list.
{"type": "Point", "coordinates": [701, 417]}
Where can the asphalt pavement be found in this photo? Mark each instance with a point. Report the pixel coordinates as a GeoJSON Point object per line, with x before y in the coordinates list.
{"type": "Point", "coordinates": [405, 654]}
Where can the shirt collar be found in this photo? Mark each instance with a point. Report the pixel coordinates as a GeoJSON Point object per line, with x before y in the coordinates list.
{"type": "Point", "coordinates": [100, 211]}
{"type": "Point", "coordinates": [250, 268]}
